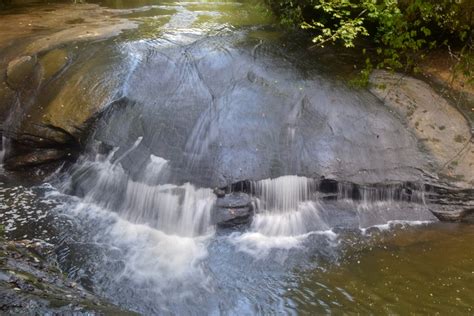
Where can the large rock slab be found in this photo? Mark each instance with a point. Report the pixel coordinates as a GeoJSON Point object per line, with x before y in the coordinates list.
{"type": "Point", "coordinates": [53, 86]}
{"type": "Point", "coordinates": [220, 115]}
{"type": "Point", "coordinates": [61, 24]}
{"type": "Point", "coordinates": [71, 87]}
{"type": "Point", "coordinates": [442, 130]}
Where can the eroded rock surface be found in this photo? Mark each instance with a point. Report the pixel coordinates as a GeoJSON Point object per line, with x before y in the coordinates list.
{"type": "Point", "coordinates": [53, 86]}
{"type": "Point", "coordinates": [440, 128]}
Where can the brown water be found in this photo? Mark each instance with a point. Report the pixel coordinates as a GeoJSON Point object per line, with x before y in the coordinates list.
{"type": "Point", "coordinates": [424, 270]}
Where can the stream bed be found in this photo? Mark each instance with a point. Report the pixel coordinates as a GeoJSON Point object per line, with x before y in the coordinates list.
{"type": "Point", "coordinates": [180, 103]}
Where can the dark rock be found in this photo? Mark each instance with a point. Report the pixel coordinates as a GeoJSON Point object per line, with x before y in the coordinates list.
{"type": "Point", "coordinates": [447, 203]}
{"type": "Point", "coordinates": [234, 200]}
{"type": "Point", "coordinates": [232, 210]}
{"type": "Point", "coordinates": [232, 217]}
{"type": "Point", "coordinates": [219, 192]}
{"type": "Point", "coordinates": [6, 97]}
{"type": "Point", "coordinates": [452, 214]}
{"type": "Point", "coordinates": [34, 158]}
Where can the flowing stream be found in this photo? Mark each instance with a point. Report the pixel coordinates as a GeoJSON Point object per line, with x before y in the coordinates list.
{"type": "Point", "coordinates": [205, 94]}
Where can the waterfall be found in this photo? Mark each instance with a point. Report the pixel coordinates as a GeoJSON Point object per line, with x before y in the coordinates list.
{"type": "Point", "coordinates": [285, 207]}
{"type": "Point", "coordinates": [284, 194]}
{"type": "Point", "coordinates": [382, 193]}
{"type": "Point", "coordinates": [183, 210]}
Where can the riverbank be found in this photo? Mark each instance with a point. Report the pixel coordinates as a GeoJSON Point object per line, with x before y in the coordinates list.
{"type": "Point", "coordinates": [32, 283]}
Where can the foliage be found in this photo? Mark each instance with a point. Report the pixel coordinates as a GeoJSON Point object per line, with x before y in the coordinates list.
{"type": "Point", "coordinates": [402, 31]}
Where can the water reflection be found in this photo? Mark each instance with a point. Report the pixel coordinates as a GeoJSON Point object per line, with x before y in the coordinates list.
{"type": "Point", "coordinates": [425, 270]}
{"type": "Point", "coordinates": [196, 83]}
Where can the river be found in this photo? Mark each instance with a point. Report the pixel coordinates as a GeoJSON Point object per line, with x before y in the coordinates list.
{"type": "Point", "coordinates": [199, 95]}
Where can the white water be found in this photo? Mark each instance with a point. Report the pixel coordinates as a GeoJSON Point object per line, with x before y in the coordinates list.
{"type": "Point", "coordinates": [161, 230]}
{"type": "Point", "coordinates": [179, 210]}
{"type": "Point", "coordinates": [288, 210]}
{"type": "Point", "coordinates": [285, 216]}
{"type": "Point", "coordinates": [151, 260]}
{"type": "Point", "coordinates": [284, 207]}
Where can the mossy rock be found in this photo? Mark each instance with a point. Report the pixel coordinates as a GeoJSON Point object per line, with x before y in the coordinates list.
{"type": "Point", "coordinates": [52, 63]}
{"type": "Point", "coordinates": [19, 70]}
{"type": "Point", "coordinates": [6, 98]}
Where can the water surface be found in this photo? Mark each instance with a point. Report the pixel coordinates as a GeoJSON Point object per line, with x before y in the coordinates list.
{"type": "Point", "coordinates": [204, 94]}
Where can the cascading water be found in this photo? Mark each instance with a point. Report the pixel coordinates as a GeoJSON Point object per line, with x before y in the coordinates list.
{"type": "Point", "coordinates": [211, 103]}
{"type": "Point", "coordinates": [160, 229]}
{"type": "Point", "coordinates": [287, 211]}
{"type": "Point", "coordinates": [174, 209]}
{"type": "Point", "coordinates": [285, 207]}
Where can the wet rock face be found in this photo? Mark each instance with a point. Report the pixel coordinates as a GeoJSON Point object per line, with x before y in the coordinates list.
{"type": "Point", "coordinates": [219, 114]}
{"type": "Point", "coordinates": [222, 109]}
{"type": "Point", "coordinates": [55, 102]}
{"type": "Point", "coordinates": [52, 63]}
{"type": "Point", "coordinates": [337, 200]}
{"type": "Point", "coordinates": [49, 94]}
{"type": "Point", "coordinates": [7, 96]}
{"type": "Point", "coordinates": [232, 210]}
{"type": "Point", "coordinates": [37, 157]}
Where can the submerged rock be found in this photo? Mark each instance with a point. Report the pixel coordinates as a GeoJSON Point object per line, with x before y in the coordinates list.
{"type": "Point", "coordinates": [31, 284]}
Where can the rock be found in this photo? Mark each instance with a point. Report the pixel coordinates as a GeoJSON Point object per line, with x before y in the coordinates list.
{"type": "Point", "coordinates": [52, 62]}
{"type": "Point", "coordinates": [58, 114]}
{"type": "Point", "coordinates": [219, 192]}
{"type": "Point", "coordinates": [83, 32]}
{"type": "Point", "coordinates": [232, 217]}
{"type": "Point", "coordinates": [27, 288]}
{"type": "Point", "coordinates": [6, 98]}
{"type": "Point", "coordinates": [446, 202]}
{"type": "Point", "coordinates": [19, 70]}
{"type": "Point", "coordinates": [441, 129]}
{"type": "Point", "coordinates": [451, 214]}
{"type": "Point", "coordinates": [34, 158]}
{"type": "Point", "coordinates": [232, 210]}
{"type": "Point", "coordinates": [234, 200]}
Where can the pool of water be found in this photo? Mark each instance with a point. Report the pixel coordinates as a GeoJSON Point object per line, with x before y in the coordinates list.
{"type": "Point", "coordinates": [395, 268]}
{"type": "Point", "coordinates": [206, 93]}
